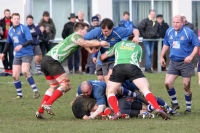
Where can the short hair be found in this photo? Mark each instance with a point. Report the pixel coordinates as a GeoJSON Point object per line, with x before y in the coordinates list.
{"type": "Point", "coordinates": [130, 37]}
{"type": "Point", "coordinates": [152, 11]}
{"type": "Point", "coordinates": [106, 22]}
{"type": "Point", "coordinates": [178, 16]}
{"type": "Point", "coordinates": [29, 16]}
{"type": "Point", "coordinates": [6, 10]}
{"type": "Point", "coordinates": [80, 26]}
{"type": "Point", "coordinates": [126, 13]}
{"type": "Point", "coordinates": [15, 14]}
{"type": "Point", "coordinates": [46, 13]}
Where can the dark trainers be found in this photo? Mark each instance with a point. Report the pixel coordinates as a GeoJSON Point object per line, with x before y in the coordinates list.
{"type": "Point", "coordinates": [36, 95]}
{"type": "Point", "coordinates": [162, 114]}
{"type": "Point", "coordinates": [188, 111]}
{"type": "Point", "coordinates": [116, 116]}
{"type": "Point", "coordinates": [148, 70]}
{"type": "Point", "coordinates": [174, 113]}
{"type": "Point", "coordinates": [175, 106]}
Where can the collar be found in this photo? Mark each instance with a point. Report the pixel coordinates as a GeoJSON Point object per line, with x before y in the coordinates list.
{"type": "Point", "coordinates": [151, 19]}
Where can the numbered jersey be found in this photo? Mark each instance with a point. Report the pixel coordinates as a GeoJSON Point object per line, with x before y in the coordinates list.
{"type": "Point", "coordinates": [126, 52]}
{"type": "Point", "coordinates": [65, 48]}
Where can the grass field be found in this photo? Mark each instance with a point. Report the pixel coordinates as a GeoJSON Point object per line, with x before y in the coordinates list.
{"type": "Point", "coordinates": [17, 115]}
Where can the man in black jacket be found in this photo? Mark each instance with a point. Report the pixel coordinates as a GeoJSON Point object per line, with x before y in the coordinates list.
{"type": "Point", "coordinates": [186, 23]}
{"type": "Point", "coordinates": [149, 28]}
{"type": "Point", "coordinates": [161, 34]}
{"type": "Point", "coordinates": [6, 23]}
{"type": "Point", "coordinates": [74, 59]}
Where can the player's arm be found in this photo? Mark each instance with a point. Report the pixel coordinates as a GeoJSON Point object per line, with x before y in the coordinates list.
{"type": "Point", "coordinates": [110, 52]}
{"type": "Point", "coordinates": [86, 43]}
{"type": "Point", "coordinates": [136, 34]}
{"type": "Point", "coordinates": [100, 109]}
{"type": "Point", "coordinates": [6, 47]}
{"type": "Point", "coordinates": [164, 49]}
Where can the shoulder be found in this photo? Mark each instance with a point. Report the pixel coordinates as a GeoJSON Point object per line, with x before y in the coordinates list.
{"type": "Point", "coordinates": [169, 30]}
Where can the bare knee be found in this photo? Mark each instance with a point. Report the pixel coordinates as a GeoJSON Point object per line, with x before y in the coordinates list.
{"type": "Point", "coordinates": [186, 87]}
{"type": "Point", "coordinates": [26, 73]}
{"type": "Point", "coordinates": [65, 85]}
{"type": "Point", "coordinates": [15, 78]}
{"type": "Point", "coordinates": [168, 85]}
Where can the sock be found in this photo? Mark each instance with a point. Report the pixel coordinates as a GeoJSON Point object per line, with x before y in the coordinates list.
{"type": "Point", "coordinates": [57, 93]}
{"type": "Point", "coordinates": [38, 68]}
{"type": "Point", "coordinates": [150, 108]}
{"type": "Point", "coordinates": [18, 87]}
{"type": "Point", "coordinates": [126, 92]}
{"type": "Point", "coordinates": [107, 111]}
{"type": "Point", "coordinates": [32, 83]}
{"type": "Point", "coordinates": [46, 97]}
{"type": "Point", "coordinates": [151, 99]}
{"type": "Point", "coordinates": [113, 102]}
{"type": "Point", "coordinates": [172, 94]}
{"type": "Point", "coordinates": [161, 102]}
{"type": "Point", "coordinates": [188, 99]}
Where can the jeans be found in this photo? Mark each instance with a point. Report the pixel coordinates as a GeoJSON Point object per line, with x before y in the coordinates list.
{"type": "Point", "coordinates": [84, 57]}
{"type": "Point", "coordinates": [45, 47]}
{"type": "Point", "coordinates": [92, 65]}
{"type": "Point", "coordinates": [148, 51]}
{"type": "Point", "coordinates": [9, 56]}
{"type": "Point", "coordinates": [74, 59]}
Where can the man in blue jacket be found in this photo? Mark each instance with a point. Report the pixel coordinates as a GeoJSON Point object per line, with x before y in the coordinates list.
{"type": "Point", "coordinates": [183, 44]}
{"type": "Point", "coordinates": [35, 32]}
{"type": "Point", "coordinates": [125, 22]}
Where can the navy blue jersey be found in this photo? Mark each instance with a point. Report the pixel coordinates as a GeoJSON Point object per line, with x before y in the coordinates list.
{"type": "Point", "coordinates": [98, 91]}
{"type": "Point", "coordinates": [19, 35]}
{"type": "Point", "coordinates": [181, 43]}
{"type": "Point", "coordinates": [130, 85]}
{"type": "Point", "coordinates": [117, 34]}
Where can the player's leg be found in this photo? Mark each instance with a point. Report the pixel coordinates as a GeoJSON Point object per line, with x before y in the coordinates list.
{"type": "Point", "coordinates": [107, 69]}
{"type": "Point", "coordinates": [172, 74]}
{"type": "Point", "coordinates": [38, 58]}
{"type": "Point", "coordinates": [99, 73]}
{"type": "Point", "coordinates": [198, 70]}
{"type": "Point", "coordinates": [26, 63]}
{"type": "Point", "coordinates": [136, 75]}
{"type": "Point", "coordinates": [188, 94]}
{"type": "Point", "coordinates": [16, 74]}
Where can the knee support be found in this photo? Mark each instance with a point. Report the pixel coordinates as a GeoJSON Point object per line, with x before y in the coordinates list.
{"type": "Point", "coordinates": [65, 85]}
{"type": "Point", "coordinates": [54, 85]}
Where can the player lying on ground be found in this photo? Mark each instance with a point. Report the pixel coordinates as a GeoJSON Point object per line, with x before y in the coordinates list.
{"type": "Point", "coordinates": [83, 107]}
{"type": "Point", "coordinates": [97, 90]}
{"type": "Point", "coordinates": [53, 70]}
{"type": "Point", "coordinates": [126, 67]}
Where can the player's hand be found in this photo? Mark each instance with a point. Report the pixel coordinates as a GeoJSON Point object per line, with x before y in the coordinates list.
{"type": "Point", "coordinates": [135, 40]}
{"type": "Point", "coordinates": [2, 57]}
{"type": "Point", "coordinates": [103, 57]}
{"type": "Point", "coordinates": [94, 60]}
{"type": "Point", "coordinates": [85, 117]}
{"type": "Point", "coordinates": [1, 32]}
{"type": "Point", "coordinates": [188, 59]}
{"type": "Point", "coordinates": [162, 61]}
{"type": "Point", "coordinates": [18, 48]}
{"type": "Point", "coordinates": [104, 44]}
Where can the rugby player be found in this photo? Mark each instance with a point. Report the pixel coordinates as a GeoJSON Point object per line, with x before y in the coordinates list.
{"type": "Point", "coordinates": [53, 70]}
{"type": "Point", "coordinates": [126, 66]}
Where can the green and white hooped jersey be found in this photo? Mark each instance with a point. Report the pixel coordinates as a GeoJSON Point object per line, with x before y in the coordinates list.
{"type": "Point", "coordinates": [65, 48]}
{"type": "Point", "coordinates": [126, 52]}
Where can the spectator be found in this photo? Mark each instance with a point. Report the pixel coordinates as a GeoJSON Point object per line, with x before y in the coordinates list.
{"type": "Point", "coordinates": [49, 28]}
{"type": "Point", "coordinates": [162, 29]}
{"type": "Point", "coordinates": [74, 59]}
{"type": "Point", "coordinates": [44, 37]}
{"type": "Point", "coordinates": [84, 52]}
{"type": "Point", "coordinates": [125, 22]}
{"type": "Point", "coordinates": [149, 28]}
{"type": "Point", "coordinates": [99, 16]}
{"type": "Point", "coordinates": [95, 24]}
{"type": "Point", "coordinates": [5, 24]}
{"type": "Point", "coordinates": [35, 32]}
{"type": "Point", "coordinates": [186, 23]}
